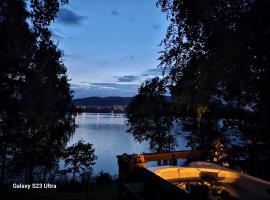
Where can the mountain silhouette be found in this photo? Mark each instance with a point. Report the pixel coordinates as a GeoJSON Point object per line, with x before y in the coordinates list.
{"type": "Point", "coordinates": [102, 101]}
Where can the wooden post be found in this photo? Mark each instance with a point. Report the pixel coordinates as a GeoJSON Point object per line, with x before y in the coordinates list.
{"type": "Point", "coordinates": [174, 160]}
{"type": "Point", "coordinates": [127, 165]}
{"type": "Point", "coordinates": [140, 161]}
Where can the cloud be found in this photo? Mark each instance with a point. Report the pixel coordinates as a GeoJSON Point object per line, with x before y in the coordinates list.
{"type": "Point", "coordinates": [69, 17]}
{"type": "Point", "coordinates": [115, 13]}
{"type": "Point", "coordinates": [131, 19]}
{"type": "Point", "coordinates": [127, 58]}
{"type": "Point", "coordinates": [102, 62]}
{"type": "Point", "coordinates": [152, 72]}
{"type": "Point", "coordinates": [83, 82]}
{"type": "Point", "coordinates": [103, 85]}
{"type": "Point", "coordinates": [127, 78]}
{"type": "Point", "coordinates": [156, 26]}
{"type": "Point", "coordinates": [75, 57]}
{"type": "Point", "coordinates": [56, 36]}
{"type": "Point", "coordinates": [131, 56]}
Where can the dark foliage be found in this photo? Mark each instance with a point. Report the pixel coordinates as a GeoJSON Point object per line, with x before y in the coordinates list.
{"type": "Point", "coordinates": [217, 54]}
{"type": "Point", "coordinates": [103, 179]}
{"type": "Point", "coordinates": [79, 158]}
{"type": "Point", "coordinates": [149, 116]}
{"type": "Point", "coordinates": [35, 96]}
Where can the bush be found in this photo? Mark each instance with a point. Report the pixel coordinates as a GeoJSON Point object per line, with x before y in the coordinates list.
{"type": "Point", "coordinates": [103, 179]}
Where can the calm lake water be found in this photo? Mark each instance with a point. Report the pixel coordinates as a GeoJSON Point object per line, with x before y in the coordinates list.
{"type": "Point", "coordinates": [108, 134]}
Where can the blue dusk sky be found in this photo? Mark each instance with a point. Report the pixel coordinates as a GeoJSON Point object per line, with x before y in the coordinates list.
{"type": "Point", "coordinates": [110, 46]}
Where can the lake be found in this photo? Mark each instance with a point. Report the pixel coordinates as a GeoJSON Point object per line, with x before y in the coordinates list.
{"type": "Point", "coordinates": [108, 134]}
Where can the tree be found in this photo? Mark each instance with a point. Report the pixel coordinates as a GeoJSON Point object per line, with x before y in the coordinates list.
{"type": "Point", "coordinates": [218, 54]}
{"type": "Point", "coordinates": [79, 158]}
{"type": "Point", "coordinates": [149, 116]}
{"type": "Point", "coordinates": [17, 44]}
{"type": "Point", "coordinates": [103, 178]}
{"type": "Point", "coordinates": [47, 102]}
{"type": "Point", "coordinates": [36, 120]}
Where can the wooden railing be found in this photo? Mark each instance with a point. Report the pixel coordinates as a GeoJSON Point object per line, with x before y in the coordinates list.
{"type": "Point", "coordinates": [173, 155]}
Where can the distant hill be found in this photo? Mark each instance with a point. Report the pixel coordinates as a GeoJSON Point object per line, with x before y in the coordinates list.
{"type": "Point", "coordinates": [102, 101]}
{"type": "Point", "coordinates": [103, 104]}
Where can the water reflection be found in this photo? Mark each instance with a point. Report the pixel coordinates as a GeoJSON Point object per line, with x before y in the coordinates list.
{"type": "Point", "coordinates": [107, 132]}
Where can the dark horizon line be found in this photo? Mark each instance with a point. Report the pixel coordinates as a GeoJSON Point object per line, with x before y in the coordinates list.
{"type": "Point", "coordinates": [108, 97]}
{"type": "Point", "coordinates": [103, 97]}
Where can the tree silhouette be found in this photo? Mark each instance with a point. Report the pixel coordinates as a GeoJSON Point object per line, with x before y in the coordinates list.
{"type": "Point", "coordinates": [217, 55]}
{"type": "Point", "coordinates": [35, 112]}
{"type": "Point", "coordinates": [149, 116]}
{"type": "Point", "coordinates": [17, 44]}
{"type": "Point", "coordinates": [79, 158]}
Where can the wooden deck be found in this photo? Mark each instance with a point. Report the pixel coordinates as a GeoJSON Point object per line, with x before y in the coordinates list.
{"type": "Point", "coordinates": [136, 182]}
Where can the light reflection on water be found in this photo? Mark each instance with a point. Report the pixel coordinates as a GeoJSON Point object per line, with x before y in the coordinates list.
{"type": "Point", "coordinates": [107, 132]}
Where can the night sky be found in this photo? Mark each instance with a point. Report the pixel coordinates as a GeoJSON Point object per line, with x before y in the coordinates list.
{"type": "Point", "coordinates": [110, 46]}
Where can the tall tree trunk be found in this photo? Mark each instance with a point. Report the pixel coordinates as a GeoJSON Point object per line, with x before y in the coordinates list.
{"type": "Point", "coordinates": [30, 170]}
{"type": "Point", "coordinates": [45, 174]}
{"type": "Point", "coordinates": [25, 166]}
{"type": "Point", "coordinates": [3, 166]}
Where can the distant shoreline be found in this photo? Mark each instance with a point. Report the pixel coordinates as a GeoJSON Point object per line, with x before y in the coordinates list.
{"type": "Point", "coordinates": [102, 113]}
{"type": "Point", "coordinates": [102, 104]}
